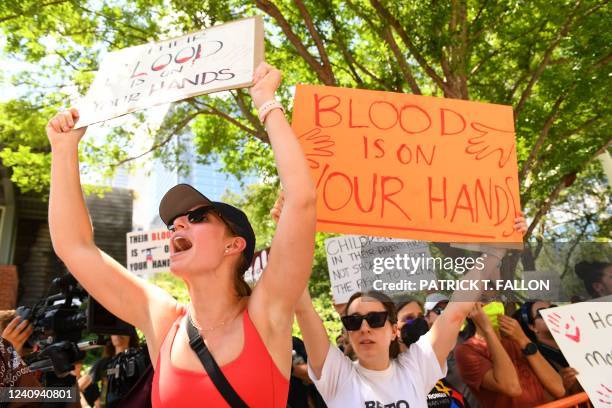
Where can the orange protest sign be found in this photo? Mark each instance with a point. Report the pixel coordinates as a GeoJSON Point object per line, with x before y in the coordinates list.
{"type": "Point", "coordinates": [407, 166]}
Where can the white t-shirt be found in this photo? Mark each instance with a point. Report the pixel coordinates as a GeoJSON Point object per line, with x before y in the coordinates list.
{"type": "Point", "coordinates": [404, 384]}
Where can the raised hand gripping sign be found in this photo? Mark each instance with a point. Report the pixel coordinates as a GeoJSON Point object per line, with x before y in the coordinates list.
{"type": "Point", "coordinates": [219, 58]}
{"type": "Point", "coordinates": [406, 166]}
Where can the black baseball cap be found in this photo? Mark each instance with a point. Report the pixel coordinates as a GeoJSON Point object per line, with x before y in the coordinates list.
{"type": "Point", "coordinates": [182, 197]}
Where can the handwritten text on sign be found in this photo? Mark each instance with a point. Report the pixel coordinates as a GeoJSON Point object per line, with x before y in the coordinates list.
{"type": "Point", "coordinates": [345, 261]}
{"type": "Point", "coordinates": [414, 270]}
{"type": "Point", "coordinates": [148, 252]}
{"type": "Point", "coordinates": [583, 332]}
{"type": "Point", "coordinates": [409, 166]}
{"type": "Point", "coordinates": [219, 58]}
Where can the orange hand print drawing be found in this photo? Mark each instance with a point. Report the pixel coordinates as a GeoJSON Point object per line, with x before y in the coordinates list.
{"type": "Point", "coordinates": [486, 144]}
{"type": "Point", "coordinates": [317, 145]}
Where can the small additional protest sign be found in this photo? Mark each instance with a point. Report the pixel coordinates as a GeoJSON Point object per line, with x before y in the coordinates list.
{"type": "Point", "coordinates": [408, 166]}
{"type": "Point", "coordinates": [583, 332]}
{"type": "Point", "coordinates": [396, 267]}
{"type": "Point", "coordinates": [345, 257]}
{"type": "Point", "coordinates": [219, 58]}
{"type": "Point", "coordinates": [148, 252]}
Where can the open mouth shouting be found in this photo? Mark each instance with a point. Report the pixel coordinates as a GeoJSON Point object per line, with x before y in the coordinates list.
{"type": "Point", "coordinates": [180, 244]}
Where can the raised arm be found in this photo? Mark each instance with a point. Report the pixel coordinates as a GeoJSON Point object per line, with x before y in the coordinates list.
{"type": "Point", "coordinates": [123, 294]}
{"type": "Point", "coordinates": [549, 378]}
{"type": "Point", "coordinates": [291, 253]}
{"type": "Point", "coordinates": [443, 333]}
{"type": "Point", "coordinates": [313, 333]}
{"type": "Point", "coordinates": [502, 377]}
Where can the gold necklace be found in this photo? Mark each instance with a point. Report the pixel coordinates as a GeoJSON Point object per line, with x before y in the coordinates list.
{"type": "Point", "coordinates": [197, 325]}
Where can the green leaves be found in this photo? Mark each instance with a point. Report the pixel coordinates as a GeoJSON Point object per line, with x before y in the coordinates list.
{"type": "Point", "coordinates": [31, 170]}
{"type": "Point", "coordinates": [548, 59]}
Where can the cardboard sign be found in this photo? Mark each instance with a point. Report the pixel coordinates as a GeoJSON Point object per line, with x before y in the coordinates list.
{"type": "Point", "coordinates": [408, 268]}
{"type": "Point", "coordinates": [148, 252]}
{"type": "Point", "coordinates": [407, 166]}
{"type": "Point", "coordinates": [344, 261]}
{"type": "Point", "coordinates": [219, 58]}
{"type": "Point", "coordinates": [583, 332]}
{"type": "Point", "coordinates": [260, 261]}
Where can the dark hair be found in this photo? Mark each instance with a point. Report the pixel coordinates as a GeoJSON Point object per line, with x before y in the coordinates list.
{"type": "Point", "coordinates": [134, 340]}
{"type": "Point", "coordinates": [389, 306]}
{"type": "Point", "coordinates": [524, 316]}
{"type": "Point", "coordinates": [590, 273]}
{"type": "Point", "coordinates": [468, 331]}
{"type": "Point", "coordinates": [242, 288]}
{"type": "Point", "coordinates": [407, 301]}
{"type": "Point", "coordinates": [109, 348]}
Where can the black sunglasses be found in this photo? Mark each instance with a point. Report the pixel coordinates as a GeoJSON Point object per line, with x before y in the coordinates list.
{"type": "Point", "coordinates": [193, 216]}
{"type": "Point", "coordinates": [375, 320]}
{"type": "Point", "coordinates": [438, 310]}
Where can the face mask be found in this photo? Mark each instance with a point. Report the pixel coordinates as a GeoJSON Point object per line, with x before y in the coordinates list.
{"type": "Point", "coordinates": [492, 310]}
{"type": "Point", "coordinates": [411, 332]}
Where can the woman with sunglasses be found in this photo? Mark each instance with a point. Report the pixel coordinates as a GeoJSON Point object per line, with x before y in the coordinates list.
{"type": "Point", "coordinates": [501, 365]}
{"type": "Point", "coordinates": [212, 243]}
{"type": "Point", "coordinates": [382, 376]}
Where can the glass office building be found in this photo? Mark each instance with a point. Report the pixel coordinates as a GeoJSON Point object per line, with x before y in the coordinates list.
{"type": "Point", "coordinates": [152, 182]}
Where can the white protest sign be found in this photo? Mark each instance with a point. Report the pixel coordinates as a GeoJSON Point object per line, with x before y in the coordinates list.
{"type": "Point", "coordinates": [344, 260]}
{"type": "Point", "coordinates": [583, 332]}
{"type": "Point", "coordinates": [396, 267]}
{"type": "Point", "coordinates": [219, 58]}
{"type": "Point", "coordinates": [553, 278]}
{"type": "Point", "coordinates": [260, 261]}
{"type": "Point", "coordinates": [148, 252]}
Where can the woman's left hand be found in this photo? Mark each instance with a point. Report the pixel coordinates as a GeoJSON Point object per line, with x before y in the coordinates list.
{"type": "Point", "coordinates": [266, 81]}
{"type": "Point", "coordinates": [520, 224]}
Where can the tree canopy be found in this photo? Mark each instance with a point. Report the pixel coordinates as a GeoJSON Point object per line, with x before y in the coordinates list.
{"type": "Point", "coordinates": [548, 59]}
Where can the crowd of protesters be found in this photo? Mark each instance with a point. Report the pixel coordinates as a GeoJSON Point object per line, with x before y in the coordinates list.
{"type": "Point", "coordinates": [496, 360]}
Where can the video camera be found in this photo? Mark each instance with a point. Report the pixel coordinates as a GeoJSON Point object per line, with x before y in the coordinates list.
{"type": "Point", "coordinates": [59, 321]}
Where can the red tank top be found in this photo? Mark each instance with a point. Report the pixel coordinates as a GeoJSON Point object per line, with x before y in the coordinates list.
{"type": "Point", "coordinates": [253, 375]}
